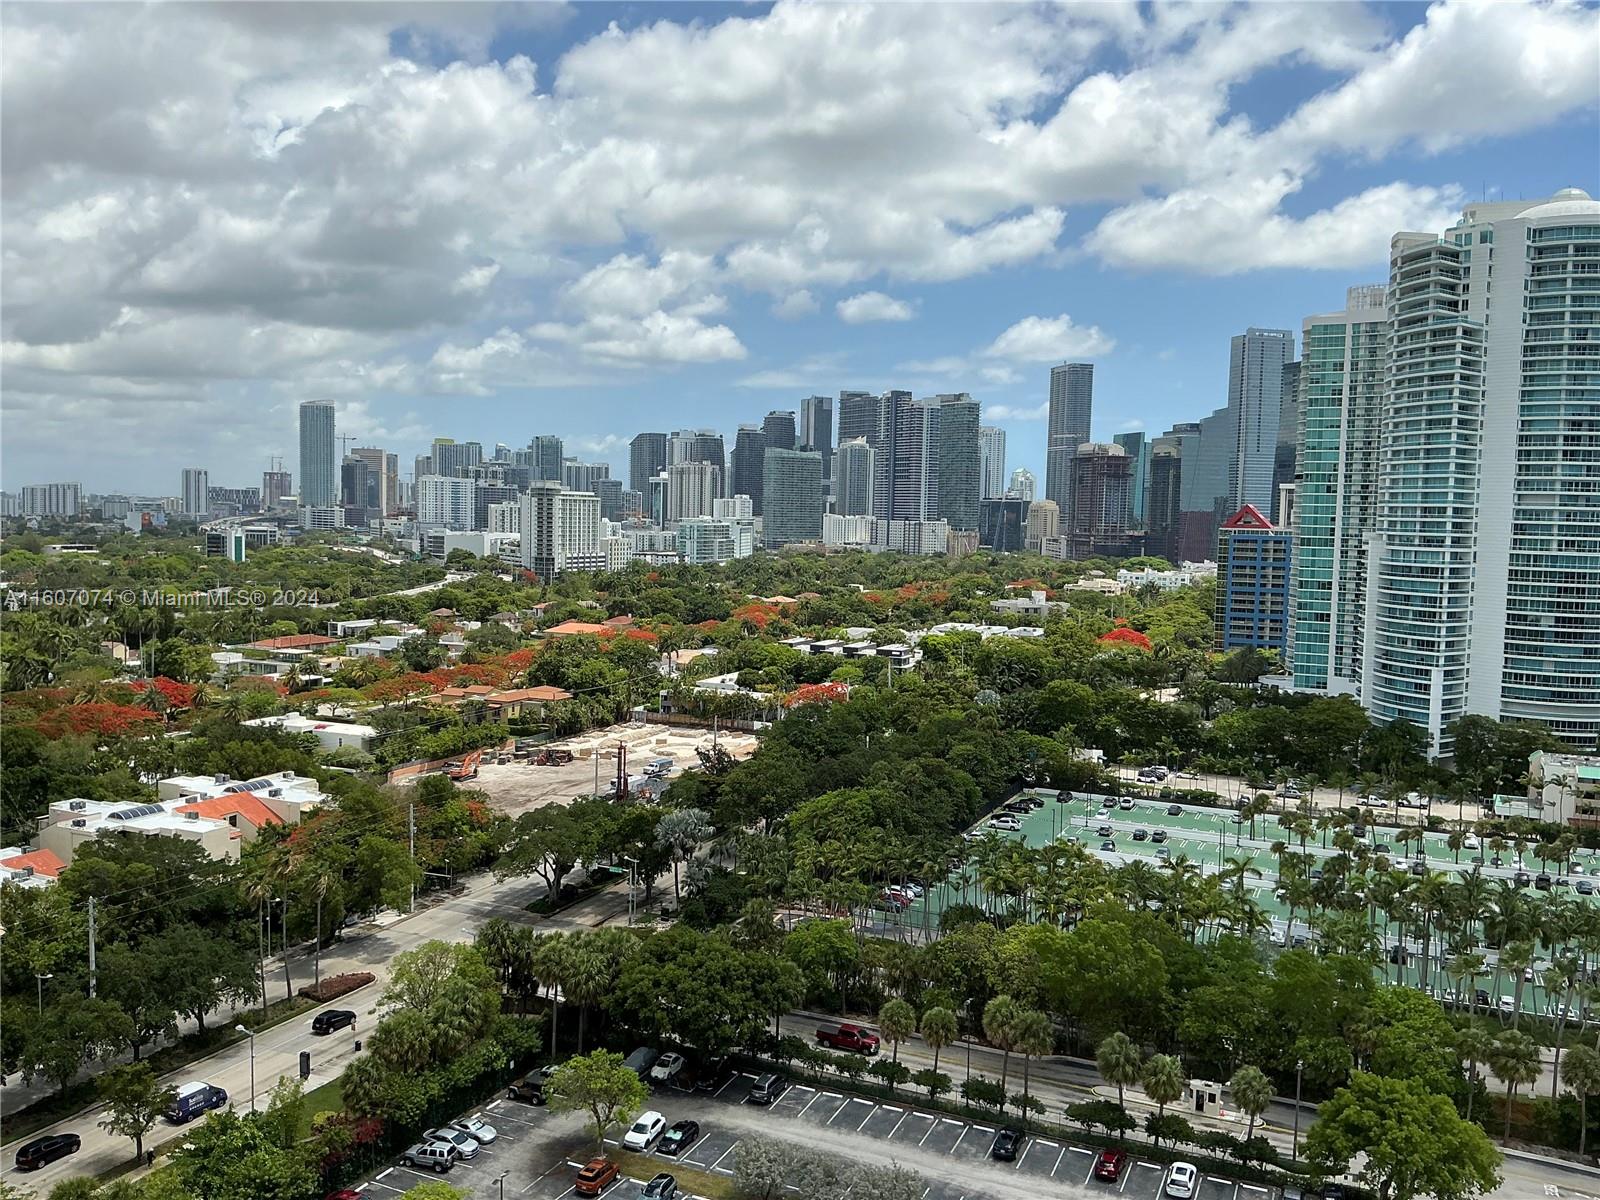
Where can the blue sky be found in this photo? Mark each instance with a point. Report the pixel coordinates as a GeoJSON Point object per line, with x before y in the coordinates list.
{"type": "Point", "coordinates": [494, 221]}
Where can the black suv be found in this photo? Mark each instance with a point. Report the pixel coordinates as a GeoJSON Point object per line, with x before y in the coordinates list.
{"type": "Point", "coordinates": [530, 1088]}
{"type": "Point", "coordinates": [334, 1018]}
{"type": "Point", "coordinates": [44, 1150]}
{"type": "Point", "coordinates": [1006, 1144]}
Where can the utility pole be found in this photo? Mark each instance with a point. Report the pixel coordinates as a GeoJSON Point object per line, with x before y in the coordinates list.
{"type": "Point", "coordinates": [411, 838]}
{"type": "Point", "coordinates": [91, 948]}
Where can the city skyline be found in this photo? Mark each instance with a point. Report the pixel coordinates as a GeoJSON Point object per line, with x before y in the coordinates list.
{"type": "Point", "coordinates": [166, 309]}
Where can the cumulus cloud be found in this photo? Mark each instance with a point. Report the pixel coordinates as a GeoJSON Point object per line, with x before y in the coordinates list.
{"type": "Point", "coordinates": [872, 306]}
{"type": "Point", "coordinates": [796, 304]}
{"type": "Point", "coordinates": [1012, 412]}
{"type": "Point", "coordinates": [1050, 339]}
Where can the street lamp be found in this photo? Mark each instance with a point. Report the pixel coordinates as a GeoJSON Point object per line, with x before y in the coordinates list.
{"type": "Point", "coordinates": [632, 863]}
{"type": "Point", "coordinates": [251, 1034]}
{"type": "Point", "coordinates": [1299, 1070]}
{"type": "Point", "coordinates": [41, 979]}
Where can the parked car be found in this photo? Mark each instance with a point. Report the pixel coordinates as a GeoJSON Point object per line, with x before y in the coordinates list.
{"type": "Point", "coordinates": [466, 1145]}
{"type": "Point", "coordinates": [436, 1156]}
{"type": "Point", "coordinates": [1008, 824]}
{"type": "Point", "coordinates": [645, 1131]}
{"type": "Point", "coordinates": [530, 1088]}
{"type": "Point", "coordinates": [768, 1088]}
{"type": "Point", "coordinates": [45, 1150]}
{"type": "Point", "coordinates": [668, 1067]}
{"type": "Point", "coordinates": [641, 1060]}
{"type": "Point", "coordinates": [662, 1187]}
{"type": "Point", "coordinates": [679, 1138]}
{"type": "Point", "coordinates": [1585, 887]}
{"type": "Point", "coordinates": [1163, 853]}
{"type": "Point", "coordinates": [1110, 1164]}
{"type": "Point", "coordinates": [595, 1176]}
{"type": "Point", "coordinates": [713, 1074]}
{"type": "Point", "coordinates": [334, 1018]}
{"type": "Point", "coordinates": [848, 1037]}
{"type": "Point", "coordinates": [1125, 804]}
{"type": "Point", "coordinates": [1541, 882]}
{"type": "Point", "coordinates": [1140, 835]}
{"type": "Point", "coordinates": [1159, 836]}
{"type": "Point", "coordinates": [477, 1129]}
{"type": "Point", "coordinates": [1006, 1144]}
{"type": "Point", "coordinates": [1174, 810]}
{"type": "Point", "coordinates": [1109, 846]}
{"type": "Point", "coordinates": [1103, 831]}
{"type": "Point", "coordinates": [1181, 1181]}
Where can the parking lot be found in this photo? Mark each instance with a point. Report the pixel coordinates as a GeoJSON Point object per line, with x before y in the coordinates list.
{"type": "Point", "coordinates": [536, 1154]}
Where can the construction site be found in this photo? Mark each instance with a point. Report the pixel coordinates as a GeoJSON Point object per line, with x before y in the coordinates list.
{"type": "Point", "coordinates": [631, 756]}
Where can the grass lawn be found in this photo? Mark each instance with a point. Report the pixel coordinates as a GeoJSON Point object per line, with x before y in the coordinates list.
{"type": "Point", "coordinates": [698, 1183]}
{"type": "Point", "coordinates": [326, 1097]}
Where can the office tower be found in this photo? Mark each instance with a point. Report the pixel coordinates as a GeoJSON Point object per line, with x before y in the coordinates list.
{"type": "Point", "coordinates": [561, 530]}
{"type": "Point", "coordinates": [354, 479]}
{"type": "Point", "coordinates": [1253, 560]}
{"type": "Point", "coordinates": [1071, 409]}
{"type": "Point", "coordinates": [1023, 486]}
{"type": "Point", "coordinates": [1002, 524]}
{"type": "Point", "coordinates": [545, 455]}
{"type": "Point", "coordinates": [816, 429]}
{"type": "Point", "coordinates": [1097, 521]}
{"type": "Point", "coordinates": [1484, 568]}
{"type": "Point", "coordinates": [906, 461]}
{"type": "Point", "coordinates": [959, 484]}
{"type": "Point", "coordinates": [792, 484]}
{"type": "Point", "coordinates": [745, 471]}
{"type": "Point", "coordinates": [318, 485]}
{"type": "Point", "coordinates": [656, 494]}
{"type": "Point", "coordinates": [632, 503]}
{"type": "Point", "coordinates": [1255, 396]}
{"type": "Point", "coordinates": [1285, 459]}
{"type": "Point", "coordinates": [443, 500]}
{"type": "Point", "coordinates": [487, 495]}
{"type": "Point", "coordinates": [610, 492]}
{"type": "Point", "coordinates": [698, 445]}
{"type": "Point", "coordinates": [1164, 499]}
{"type": "Point", "coordinates": [421, 465]}
{"type": "Point", "coordinates": [455, 459]}
{"type": "Point", "coordinates": [1043, 521]}
{"type": "Point", "coordinates": [1205, 498]}
{"type": "Point", "coordinates": [853, 475]}
{"type": "Point", "coordinates": [1138, 448]}
{"type": "Point", "coordinates": [502, 452]}
{"type": "Point", "coordinates": [647, 458]}
{"type": "Point", "coordinates": [1336, 489]}
{"type": "Point", "coordinates": [991, 462]}
{"type": "Point", "coordinates": [379, 498]}
{"type": "Point", "coordinates": [691, 489]}
{"type": "Point", "coordinates": [581, 476]}
{"type": "Point", "coordinates": [196, 492]}
{"type": "Point", "coordinates": [778, 428]}
{"type": "Point", "coordinates": [860, 416]}
{"type": "Point", "coordinates": [275, 485]}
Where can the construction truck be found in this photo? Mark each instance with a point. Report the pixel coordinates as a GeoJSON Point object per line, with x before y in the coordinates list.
{"type": "Point", "coordinates": [460, 769]}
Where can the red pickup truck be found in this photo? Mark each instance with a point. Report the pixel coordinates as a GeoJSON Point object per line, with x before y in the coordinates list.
{"type": "Point", "coordinates": [849, 1037]}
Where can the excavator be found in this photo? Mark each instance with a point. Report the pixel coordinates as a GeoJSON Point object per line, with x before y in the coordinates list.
{"type": "Point", "coordinates": [460, 769]}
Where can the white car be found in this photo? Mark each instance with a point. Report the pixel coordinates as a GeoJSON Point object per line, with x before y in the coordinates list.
{"type": "Point", "coordinates": [466, 1145]}
{"type": "Point", "coordinates": [1010, 824]}
{"type": "Point", "coordinates": [646, 1131]}
{"type": "Point", "coordinates": [1182, 1178]}
{"type": "Point", "coordinates": [1471, 842]}
{"type": "Point", "coordinates": [1508, 1004]}
{"type": "Point", "coordinates": [667, 1067]}
{"type": "Point", "coordinates": [477, 1129]}
{"type": "Point", "coordinates": [1374, 802]}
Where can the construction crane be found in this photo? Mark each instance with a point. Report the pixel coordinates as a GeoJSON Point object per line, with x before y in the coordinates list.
{"type": "Point", "coordinates": [344, 443]}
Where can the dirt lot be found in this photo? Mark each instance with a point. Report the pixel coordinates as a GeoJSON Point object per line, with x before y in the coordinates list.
{"type": "Point", "coordinates": [519, 786]}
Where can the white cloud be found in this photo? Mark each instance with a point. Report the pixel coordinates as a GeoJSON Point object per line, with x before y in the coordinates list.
{"type": "Point", "coordinates": [1050, 339]}
{"type": "Point", "coordinates": [1012, 412]}
{"type": "Point", "coordinates": [815, 373]}
{"type": "Point", "coordinates": [795, 305]}
{"type": "Point", "coordinates": [872, 306]}
{"type": "Point", "coordinates": [599, 443]}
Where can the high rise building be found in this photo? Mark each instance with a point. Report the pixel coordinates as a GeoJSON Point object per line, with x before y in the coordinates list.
{"type": "Point", "coordinates": [703, 541]}
{"type": "Point", "coordinates": [991, 462]}
{"type": "Point", "coordinates": [545, 456]}
{"type": "Point", "coordinates": [318, 484]}
{"type": "Point", "coordinates": [561, 530]}
{"type": "Point", "coordinates": [691, 489]}
{"type": "Point", "coordinates": [699, 445]}
{"type": "Point", "coordinates": [1071, 410]}
{"type": "Point", "coordinates": [581, 476]}
{"type": "Point", "coordinates": [1484, 570]}
{"type": "Point", "coordinates": [853, 475]}
{"type": "Point", "coordinates": [779, 430]}
{"type": "Point", "coordinates": [906, 487]}
{"type": "Point", "coordinates": [816, 429]}
{"type": "Point", "coordinates": [1253, 561]}
{"type": "Point", "coordinates": [745, 470]}
{"type": "Point", "coordinates": [647, 458]}
{"type": "Point", "coordinates": [275, 485]}
{"type": "Point", "coordinates": [354, 484]}
{"type": "Point", "coordinates": [1205, 499]}
{"type": "Point", "coordinates": [421, 465]}
{"type": "Point", "coordinates": [455, 459]}
{"type": "Point", "coordinates": [860, 416]}
{"type": "Point", "coordinates": [1336, 489]}
{"type": "Point", "coordinates": [1043, 521]}
{"type": "Point", "coordinates": [51, 500]}
{"type": "Point", "coordinates": [610, 492]}
{"type": "Point", "coordinates": [1097, 521]}
{"type": "Point", "coordinates": [1285, 460]}
{"type": "Point", "coordinates": [196, 492]}
{"type": "Point", "coordinates": [733, 508]}
{"type": "Point", "coordinates": [380, 497]}
{"type": "Point", "coordinates": [959, 484]}
{"type": "Point", "coordinates": [1138, 447]}
{"type": "Point", "coordinates": [1023, 485]}
{"type": "Point", "coordinates": [792, 484]}
{"type": "Point", "coordinates": [447, 502]}
{"type": "Point", "coordinates": [1255, 398]}
{"type": "Point", "coordinates": [1164, 501]}
{"type": "Point", "coordinates": [486, 496]}
{"type": "Point", "coordinates": [1002, 524]}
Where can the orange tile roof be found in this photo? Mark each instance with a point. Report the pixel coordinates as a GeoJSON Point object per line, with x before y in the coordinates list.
{"type": "Point", "coordinates": [460, 693]}
{"type": "Point", "coordinates": [567, 627]}
{"type": "Point", "coordinates": [222, 807]}
{"type": "Point", "coordinates": [294, 641]}
{"type": "Point", "coordinates": [43, 862]}
{"type": "Point", "coordinates": [542, 692]}
{"type": "Point", "coordinates": [618, 622]}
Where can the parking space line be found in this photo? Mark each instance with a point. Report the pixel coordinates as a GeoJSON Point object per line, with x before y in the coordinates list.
{"type": "Point", "coordinates": [724, 1155]}
{"type": "Point", "coordinates": [809, 1103]}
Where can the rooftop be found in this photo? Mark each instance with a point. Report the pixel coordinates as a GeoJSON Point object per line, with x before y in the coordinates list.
{"type": "Point", "coordinates": [294, 641]}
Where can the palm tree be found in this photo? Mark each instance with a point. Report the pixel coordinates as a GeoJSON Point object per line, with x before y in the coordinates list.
{"type": "Point", "coordinates": [1581, 1073]}
{"type": "Point", "coordinates": [939, 1029]}
{"type": "Point", "coordinates": [999, 1021]}
{"type": "Point", "coordinates": [549, 963]}
{"type": "Point", "coordinates": [1252, 1092]}
{"type": "Point", "coordinates": [1117, 1059]}
{"type": "Point", "coordinates": [1033, 1035]}
{"type": "Point", "coordinates": [587, 980]}
{"type": "Point", "coordinates": [1514, 1058]}
{"type": "Point", "coordinates": [1473, 1046]}
{"type": "Point", "coordinates": [1162, 1080]}
{"type": "Point", "coordinates": [897, 1021]}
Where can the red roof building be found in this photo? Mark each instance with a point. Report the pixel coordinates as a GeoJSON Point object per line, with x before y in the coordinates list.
{"type": "Point", "coordinates": [295, 641]}
{"type": "Point", "coordinates": [43, 862]}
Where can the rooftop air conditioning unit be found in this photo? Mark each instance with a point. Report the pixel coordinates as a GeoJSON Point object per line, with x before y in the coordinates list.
{"type": "Point", "coordinates": [80, 822]}
{"type": "Point", "coordinates": [219, 778]}
{"type": "Point", "coordinates": [193, 816]}
{"type": "Point", "coordinates": [78, 805]}
{"type": "Point", "coordinates": [274, 791]}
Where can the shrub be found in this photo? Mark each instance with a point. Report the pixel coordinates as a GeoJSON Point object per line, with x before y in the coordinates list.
{"type": "Point", "coordinates": [335, 986]}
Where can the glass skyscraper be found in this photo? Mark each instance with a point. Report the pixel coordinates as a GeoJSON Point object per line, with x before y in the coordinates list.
{"type": "Point", "coordinates": [318, 480]}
